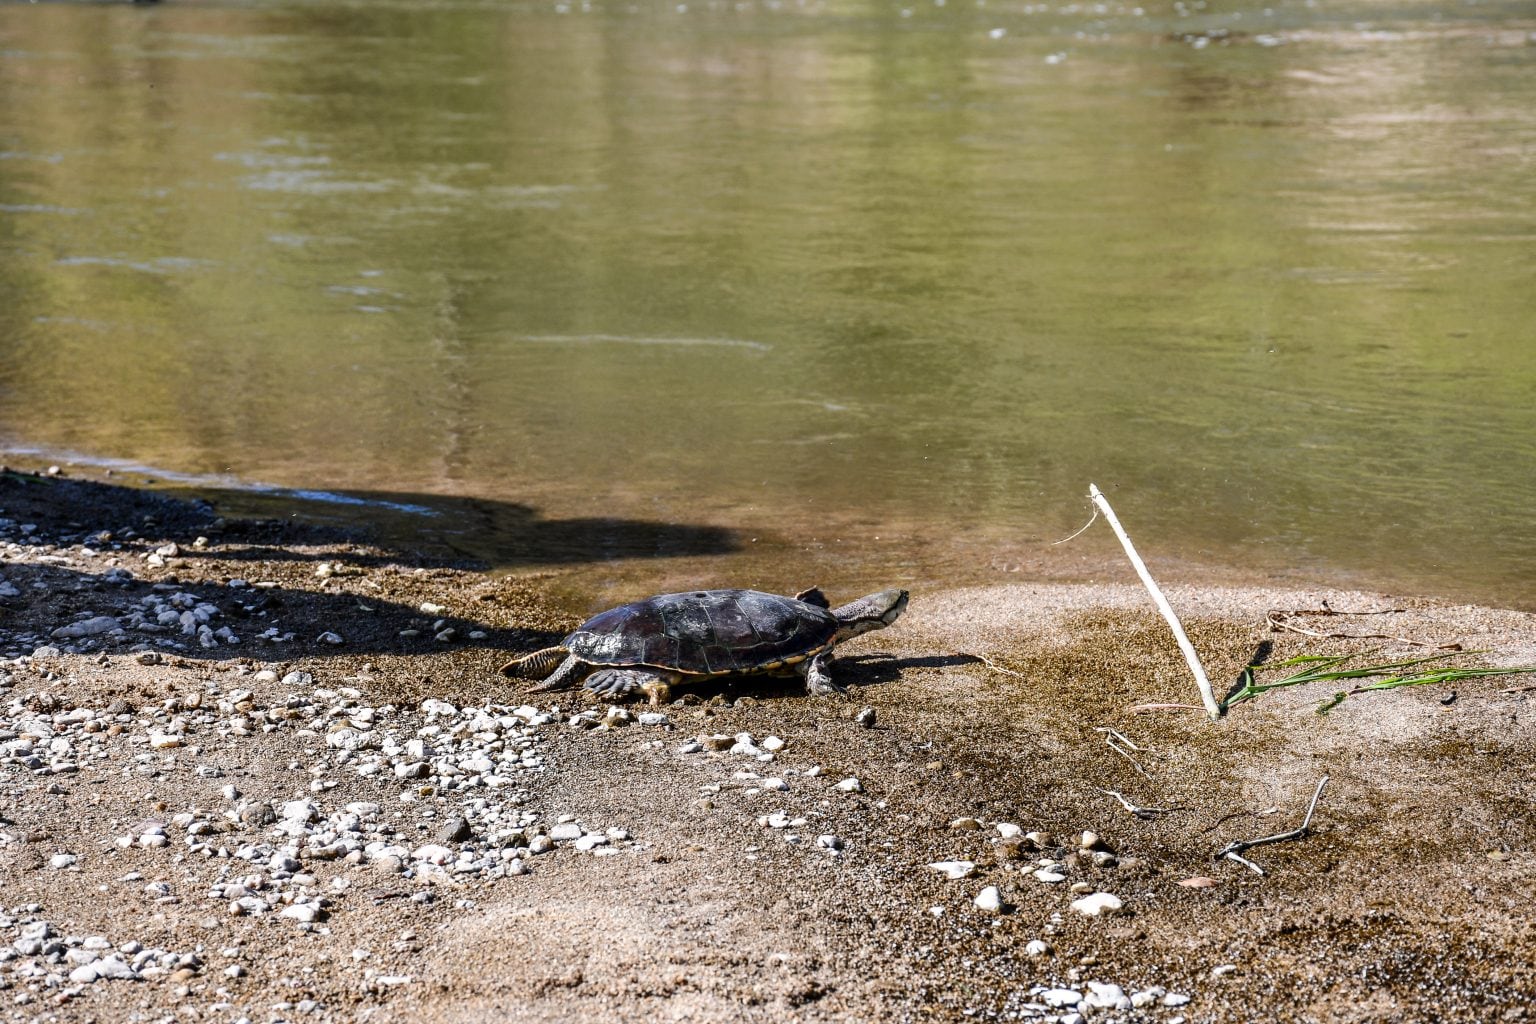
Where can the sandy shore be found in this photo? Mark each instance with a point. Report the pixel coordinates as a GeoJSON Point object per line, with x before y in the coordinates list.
{"type": "Point", "coordinates": [267, 772]}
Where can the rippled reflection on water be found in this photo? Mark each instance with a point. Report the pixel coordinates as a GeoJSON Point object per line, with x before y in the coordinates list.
{"type": "Point", "coordinates": [816, 273]}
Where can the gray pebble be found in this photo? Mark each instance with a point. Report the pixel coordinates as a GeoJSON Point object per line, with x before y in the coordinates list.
{"type": "Point", "coordinates": [455, 830]}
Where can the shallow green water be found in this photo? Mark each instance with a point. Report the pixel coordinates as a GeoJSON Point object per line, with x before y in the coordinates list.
{"type": "Point", "coordinates": [810, 273]}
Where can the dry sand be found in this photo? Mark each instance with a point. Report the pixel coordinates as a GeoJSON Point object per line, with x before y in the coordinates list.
{"type": "Point", "coordinates": [1413, 898]}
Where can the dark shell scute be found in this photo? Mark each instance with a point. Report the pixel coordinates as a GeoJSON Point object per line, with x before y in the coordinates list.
{"type": "Point", "coordinates": [705, 632]}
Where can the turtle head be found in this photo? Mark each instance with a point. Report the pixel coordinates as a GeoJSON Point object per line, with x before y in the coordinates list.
{"type": "Point", "coordinates": [873, 612]}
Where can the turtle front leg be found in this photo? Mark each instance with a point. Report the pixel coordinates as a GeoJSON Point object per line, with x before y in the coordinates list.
{"type": "Point", "coordinates": [818, 676]}
{"type": "Point", "coordinates": [616, 682]}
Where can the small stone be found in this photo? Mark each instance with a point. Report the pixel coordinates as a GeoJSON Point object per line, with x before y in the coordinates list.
{"type": "Point", "coordinates": [690, 747]}
{"type": "Point", "coordinates": [259, 813]}
{"type": "Point", "coordinates": [87, 627]}
{"type": "Point", "coordinates": [1100, 904]}
{"type": "Point", "coordinates": [954, 870]}
{"type": "Point", "coordinates": [1037, 948]}
{"type": "Point", "coordinates": [540, 844]}
{"type": "Point", "coordinates": [566, 831]}
{"type": "Point", "coordinates": [865, 718]}
{"type": "Point", "coordinates": [1090, 841]}
{"type": "Point", "coordinates": [1223, 970]}
{"type": "Point", "coordinates": [829, 842]}
{"type": "Point", "coordinates": [965, 825]}
{"type": "Point", "coordinates": [1008, 830]}
{"type": "Point", "coordinates": [111, 968]}
{"type": "Point", "coordinates": [1049, 877]}
{"type": "Point", "coordinates": [1174, 999]}
{"type": "Point", "coordinates": [652, 718]}
{"type": "Point", "coordinates": [772, 744]}
{"type": "Point", "coordinates": [1199, 882]}
{"type": "Point", "coordinates": [717, 742]}
{"type": "Point", "coordinates": [301, 811]}
{"type": "Point", "coordinates": [455, 830]}
{"type": "Point", "coordinates": [329, 637]}
{"type": "Point", "coordinates": [1041, 840]}
{"type": "Point", "coordinates": [990, 899]}
{"type": "Point", "coordinates": [1106, 997]}
{"type": "Point", "coordinates": [1061, 997]}
{"type": "Point", "coordinates": [850, 785]}
{"type": "Point", "coordinates": [60, 861]}
{"type": "Point", "coordinates": [304, 913]}
{"type": "Point", "coordinates": [1080, 888]}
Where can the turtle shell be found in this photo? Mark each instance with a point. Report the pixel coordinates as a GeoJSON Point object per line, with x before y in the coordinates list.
{"type": "Point", "coordinates": [706, 632]}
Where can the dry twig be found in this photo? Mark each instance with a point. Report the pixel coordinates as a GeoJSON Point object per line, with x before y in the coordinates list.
{"type": "Point", "coordinates": [1234, 850]}
{"type": "Point", "coordinates": [1111, 737]}
{"type": "Point", "coordinates": [1140, 812]}
{"type": "Point", "coordinates": [1278, 620]}
{"type": "Point", "coordinates": [994, 666]}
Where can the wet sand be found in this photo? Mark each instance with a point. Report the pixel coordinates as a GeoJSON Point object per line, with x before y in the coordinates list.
{"type": "Point", "coordinates": [1411, 899]}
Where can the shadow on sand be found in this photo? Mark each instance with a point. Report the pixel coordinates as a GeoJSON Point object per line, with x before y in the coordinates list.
{"type": "Point", "coordinates": [91, 550]}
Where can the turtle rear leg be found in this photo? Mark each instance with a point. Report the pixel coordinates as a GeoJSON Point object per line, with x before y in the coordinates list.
{"type": "Point", "coordinates": [564, 678]}
{"type": "Point", "coordinates": [818, 676]}
{"type": "Point", "coordinates": [536, 665]}
{"type": "Point", "coordinates": [615, 682]}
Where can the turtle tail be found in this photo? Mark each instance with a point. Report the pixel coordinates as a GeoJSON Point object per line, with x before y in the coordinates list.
{"type": "Point", "coordinates": [536, 665]}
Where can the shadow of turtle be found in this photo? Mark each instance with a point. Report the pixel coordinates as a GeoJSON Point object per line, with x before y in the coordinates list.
{"type": "Point", "coordinates": [855, 672]}
{"type": "Point", "coordinates": [879, 668]}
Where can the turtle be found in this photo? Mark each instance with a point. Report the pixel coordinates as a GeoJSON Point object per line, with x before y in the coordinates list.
{"type": "Point", "coordinates": [653, 644]}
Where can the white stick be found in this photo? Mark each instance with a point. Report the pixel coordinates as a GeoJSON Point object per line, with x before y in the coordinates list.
{"type": "Point", "coordinates": [1206, 695]}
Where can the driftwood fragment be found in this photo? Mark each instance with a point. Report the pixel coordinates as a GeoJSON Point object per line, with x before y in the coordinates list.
{"type": "Point", "coordinates": [1207, 696]}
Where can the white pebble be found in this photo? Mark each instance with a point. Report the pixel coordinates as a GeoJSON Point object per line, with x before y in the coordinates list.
{"type": "Point", "coordinates": [1106, 997]}
{"type": "Point", "coordinates": [850, 785]}
{"type": "Point", "coordinates": [990, 899]}
{"type": "Point", "coordinates": [954, 870]}
{"type": "Point", "coordinates": [1099, 904]}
